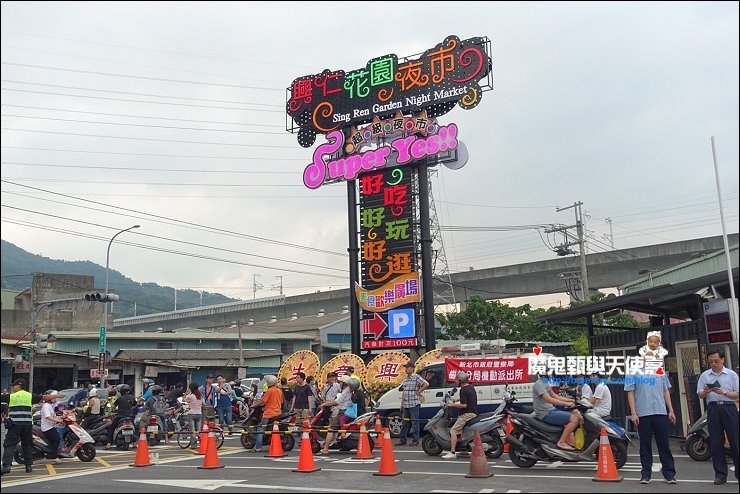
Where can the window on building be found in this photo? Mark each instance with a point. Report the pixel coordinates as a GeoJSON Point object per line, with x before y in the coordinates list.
{"type": "Point", "coordinates": [164, 345]}
{"type": "Point", "coordinates": [286, 348]}
{"type": "Point", "coordinates": [228, 345]}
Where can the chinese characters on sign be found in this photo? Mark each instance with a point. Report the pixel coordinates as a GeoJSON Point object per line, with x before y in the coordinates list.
{"type": "Point", "coordinates": [440, 78]}
{"type": "Point", "coordinates": [489, 371]}
{"type": "Point", "coordinates": [388, 263]}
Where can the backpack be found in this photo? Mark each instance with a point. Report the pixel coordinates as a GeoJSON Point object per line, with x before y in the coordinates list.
{"type": "Point", "coordinates": [358, 398]}
{"type": "Point", "coordinates": [159, 405]}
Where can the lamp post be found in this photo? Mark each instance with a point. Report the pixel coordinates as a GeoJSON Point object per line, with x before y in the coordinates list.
{"type": "Point", "coordinates": [106, 308]}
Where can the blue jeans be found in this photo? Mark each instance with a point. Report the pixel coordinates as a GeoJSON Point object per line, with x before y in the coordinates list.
{"type": "Point", "coordinates": [261, 432]}
{"type": "Point", "coordinates": [194, 423]}
{"type": "Point", "coordinates": [411, 420]}
{"type": "Point", "coordinates": [556, 417]}
{"type": "Point", "coordinates": [225, 416]}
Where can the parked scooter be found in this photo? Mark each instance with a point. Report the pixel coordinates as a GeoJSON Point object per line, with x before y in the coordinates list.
{"type": "Point", "coordinates": [82, 444]}
{"type": "Point", "coordinates": [697, 441]}
{"type": "Point", "coordinates": [488, 424]}
{"type": "Point", "coordinates": [286, 424]}
{"type": "Point", "coordinates": [347, 440]}
{"type": "Point", "coordinates": [532, 440]}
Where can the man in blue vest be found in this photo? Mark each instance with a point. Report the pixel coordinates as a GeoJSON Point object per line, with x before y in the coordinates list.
{"type": "Point", "coordinates": [19, 423]}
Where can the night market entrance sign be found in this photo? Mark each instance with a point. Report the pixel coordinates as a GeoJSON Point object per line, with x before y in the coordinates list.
{"type": "Point", "coordinates": [381, 131]}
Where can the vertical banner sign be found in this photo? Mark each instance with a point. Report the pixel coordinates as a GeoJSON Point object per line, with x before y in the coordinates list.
{"type": "Point", "coordinates": [101, 363]}
{"type": "Point", "coordinates": [102, 340]}
{"type": "Point", "coordinates": [390, 288]}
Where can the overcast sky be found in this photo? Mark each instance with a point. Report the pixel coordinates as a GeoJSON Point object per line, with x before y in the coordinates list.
{"type": "Point", "coordinates": [172, 116]}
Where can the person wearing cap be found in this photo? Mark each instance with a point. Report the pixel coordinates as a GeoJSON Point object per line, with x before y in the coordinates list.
{"type": "Point", "coordinates": [338, 405]}
{"type": "Point", "coordinates": [602, 397]}
{"type": "Point", "coordinates": [411, 388]}
{"type": "Point", "coordinates": [20, 423]}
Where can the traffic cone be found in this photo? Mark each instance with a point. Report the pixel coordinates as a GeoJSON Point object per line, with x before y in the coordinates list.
{"type": "Point", "coordinates": [509, 428]}
{"type": "Point", "coordinates": [479, 468]}
{"type": "Point", "coordinates": [142, 451]}
{"type": "Point", "coordinates": [379, 431]}
{"type": "Point", "coordinates": [305, 460]}
{"type": "Point", "coordinates": [210, 460]}
{"type": "Point", "coordinates": [363, 445]}
{"type": "Point", "coordinates": [276, 443]}
{"type": "Point", "coordinates": [606, 470]}
{"type": "Point", "coordinates": [387, 458]}
{"type": "Point", "coordinates": [203, 439]}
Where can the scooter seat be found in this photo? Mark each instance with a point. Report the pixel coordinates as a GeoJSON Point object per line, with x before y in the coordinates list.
{"type": "Point", "coordinates": [479, 417]}
{"type": "Point", "coordinates": [543, 426]}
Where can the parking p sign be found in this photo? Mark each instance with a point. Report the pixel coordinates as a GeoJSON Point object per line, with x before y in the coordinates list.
{"type": "Point", "coordinates": [401, 323]}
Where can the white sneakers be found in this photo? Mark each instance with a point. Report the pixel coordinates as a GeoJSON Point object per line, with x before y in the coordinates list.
{"type": "Point", "coordinates": [449, 455]}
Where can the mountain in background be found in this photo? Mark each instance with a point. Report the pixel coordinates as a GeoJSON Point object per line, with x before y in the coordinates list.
{"type": "Point", "coordinates": [18, 266]}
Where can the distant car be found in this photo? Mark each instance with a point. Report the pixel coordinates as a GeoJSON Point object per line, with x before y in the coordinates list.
{"type": "Point", "coordinates": [70, 393]}
{"type": "Point", "coordinates": [246, 385]}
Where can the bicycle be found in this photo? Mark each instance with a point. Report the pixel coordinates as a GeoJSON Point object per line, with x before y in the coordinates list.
{"type": "Point", "coordinates": [184, 438]}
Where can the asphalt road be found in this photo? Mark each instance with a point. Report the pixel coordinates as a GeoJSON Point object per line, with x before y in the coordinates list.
{"type": "Point", "coordinates": [177, 471]}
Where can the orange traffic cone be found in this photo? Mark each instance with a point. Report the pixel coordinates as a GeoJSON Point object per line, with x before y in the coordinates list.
{"type": "Point", "coordinates": [379, 431]}
{"type": "Point", "coordinates": [142, 451]}
{"type": "Point", "coordinates": [203, 439]}
{"type": "Point", "coordinates": [479, 468]}
{"type": "Point", "coordinates": [509, 428]}
{"type": "Point", "coordinates": [276, 443]}
{"type": "Point", "coordinates": [387, 458]}
{"type": "Point", "coordinates": [305, 461]}
{"type": "Point", "coordinates": [606, 470]}
{"type": "Point", "coordinates": [363, 445]}
{"type": "Point", "coordinates": [210, 460]}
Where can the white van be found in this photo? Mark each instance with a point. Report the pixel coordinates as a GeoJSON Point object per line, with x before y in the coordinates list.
{"type": "Point", "coordinates": [489, 395]}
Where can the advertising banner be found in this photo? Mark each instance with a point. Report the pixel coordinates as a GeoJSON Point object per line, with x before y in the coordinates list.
{"type": "Point", "coordinates": [489, 370]}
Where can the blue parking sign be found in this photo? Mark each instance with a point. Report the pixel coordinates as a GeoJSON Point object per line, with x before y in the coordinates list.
{"type": "Point", "coordinates": [401, 323]}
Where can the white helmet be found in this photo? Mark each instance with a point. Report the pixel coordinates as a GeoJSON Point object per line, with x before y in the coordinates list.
{"type": "Point", "coordinates": [271, 380]}
{"type": "Point", "coordinates": [93, 392]}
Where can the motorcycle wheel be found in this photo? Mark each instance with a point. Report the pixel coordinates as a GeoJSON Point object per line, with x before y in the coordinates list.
{"type": "Point", "coordinates": [288, 442]}
{"type": "Point", "coordinates": [123, 446]}
{"type": "Point", "coordinates": [248, 441]}
{"type": "Point", "coordinates": [518, 457]}
{"type": "Point", "coordinates": [495, 448]}
{"type": "Point", "coordinates": [219, 439]}
{"type": "Point", "coordinates": [18, 455]}
{"type": "Point", "coordinates": [619, 452]}
{"type": "Point", "coordinates": [430, 446]}
{"type": "Point", "coordinates": [698, 448]}
{"type": "Point", "coordinates": [315, 446]}
{"type": "Point", "coordinates": [86, 453]}
{"type": "Point", "coordinates": [395, 423]}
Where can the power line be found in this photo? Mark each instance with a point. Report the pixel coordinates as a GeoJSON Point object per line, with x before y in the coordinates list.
{"type": "Point", "coordinates": [262, 145]}
{"type": "Point", "coordinates": [141, 169]}
{"type": "Point", "coordinates": [128, 76]}
{"type": "Point", "coordinates": [128, 115]}
{"type": "Point", "coordinates": [197, 156]}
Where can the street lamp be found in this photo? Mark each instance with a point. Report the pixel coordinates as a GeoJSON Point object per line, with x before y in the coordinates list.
{"type": "Point", "coordinates": [106, 309]}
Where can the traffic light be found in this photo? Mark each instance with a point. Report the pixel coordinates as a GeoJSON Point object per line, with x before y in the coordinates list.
{"type": "Point", "coordinates": [42, 343]}
{"type": "Point", "coordinates": [101, 297]}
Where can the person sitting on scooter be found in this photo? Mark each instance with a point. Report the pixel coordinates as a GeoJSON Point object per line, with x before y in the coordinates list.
{"type": "Point", "coordinates": [338, 406]}
{"type": "Point", "coordinates": [545, 409]}
{"type": "Point", "coordinates": [49, 422]}
{"type": "Point", "coordinates": [156, 404]}
{"type": "Point", "coordinates": [93, 409]}
{"type": "Point", "coordinates": [469, 410]}
{"type": "Point", "coordinates": [125, 405]}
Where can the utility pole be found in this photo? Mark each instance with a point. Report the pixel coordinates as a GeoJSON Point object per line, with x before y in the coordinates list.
{"type": "Point", "coordinates": [280, 287]}
{"type": "Point", "coordinates": [564, 249]}
{"type": "Point", "coordinates": [611, 232]}
{"type": "Point", "coordinates": [255, 286]}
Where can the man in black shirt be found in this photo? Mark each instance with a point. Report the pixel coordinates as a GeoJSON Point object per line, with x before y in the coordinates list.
{"type": "Point", "coordinates": [469, 409]}
{"type": "Point", "coordinates": [125, 405]}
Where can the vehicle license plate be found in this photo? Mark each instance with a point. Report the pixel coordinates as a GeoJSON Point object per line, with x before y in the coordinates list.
{"type": "Point", "coordinates": [152, 428]}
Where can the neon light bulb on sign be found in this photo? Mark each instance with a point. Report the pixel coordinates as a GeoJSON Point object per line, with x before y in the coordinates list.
{"type": "Point", "coordinates": [349, 167]}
